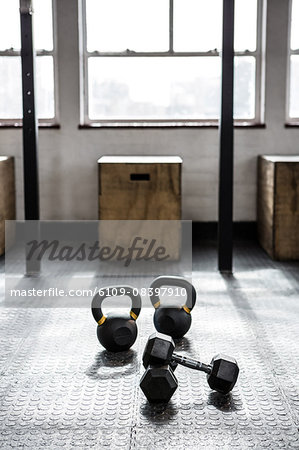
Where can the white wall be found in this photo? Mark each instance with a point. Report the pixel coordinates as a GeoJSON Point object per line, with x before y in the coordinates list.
{"type": "Point", "coordinates": [67, 156]}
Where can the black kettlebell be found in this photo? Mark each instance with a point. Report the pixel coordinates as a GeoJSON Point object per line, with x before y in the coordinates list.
{"type": "Point", "coordinates": [172, 320]}
{"type": "Point", "coordinates": [116, 332]}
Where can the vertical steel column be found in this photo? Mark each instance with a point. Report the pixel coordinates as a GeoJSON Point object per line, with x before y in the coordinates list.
{"type": "Point", "coordinates": [30, 127]}
{"type": "Point", "coordinates": [30, 130]}
{"type": "Point", "coordinates": [225, 205]}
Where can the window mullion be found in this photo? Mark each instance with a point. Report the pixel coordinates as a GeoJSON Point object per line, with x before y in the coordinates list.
{"type": "Point", "coordinates": [247, 53]}
{"type": "Point", "coordinates": [155, 54]}
{"type": "Point", "coordinates": [171, 26]}
{"type": "Point", "coordinates": [290, 53]}
{"type": "Point", "coordinates": [258, 62]}
{"type": "Point", "coordinates": [45, 52]}
{"type": "Point", "coordinates": [84, 112]}
{"type": "Point", "coordinates": [10, 52]}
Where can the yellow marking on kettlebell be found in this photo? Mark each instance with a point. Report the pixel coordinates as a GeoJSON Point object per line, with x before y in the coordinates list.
{"type": "Point", "coordinates": [185, 308]}
{"type": "Point", "coordinates": [157, 304]}
{"type": "Point", "coordinates": [133, 315]}
{"type": "Point", "coordinates": [102, 320]}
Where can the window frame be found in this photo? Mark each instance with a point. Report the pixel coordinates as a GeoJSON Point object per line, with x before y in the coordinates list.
{"type": "Point", "coordinates": [290, 120]}
{"type": "Point", "coordinates": [258, 54]}
{"type": "Point", "coordinates": [54, 121]}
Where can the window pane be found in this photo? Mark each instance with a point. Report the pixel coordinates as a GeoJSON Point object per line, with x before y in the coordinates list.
{"type": "Point", "coordinates": [118, 25]}
{"type": "Point", "coordinates": [45, 87]}
{"type": "Point", "coordinates": [10, 24]}
{"type": "Point", "coordinates": [197, 25]}
{"type": "Point", "coordinates": [244, 95]}
{"type": "Point", "coordinates": [295, 25]}
{"type": "Point", "coordinates": [154, 88]}
{"type": "Point", "coordinates": [166, 88]}
{"type": "Point", "coordinates": [11, 88]}
{"type": "Point", "coordinates": [294, 87]}
{"type": "Point", "coordinates": [245, 25]}
{"type": "Point", "coordinates": [43, 23]}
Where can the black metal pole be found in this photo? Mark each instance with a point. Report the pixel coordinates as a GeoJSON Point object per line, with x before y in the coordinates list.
{"type": "Point", "coordinates": [225, 205]}
{"type": "Point", "coordinates": [30, 126]}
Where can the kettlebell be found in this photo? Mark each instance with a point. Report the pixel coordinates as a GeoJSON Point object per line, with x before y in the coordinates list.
{"type": "Point", "coordinates": [172, 320]}
{"type": "Point", "coordinates": [116, 332]}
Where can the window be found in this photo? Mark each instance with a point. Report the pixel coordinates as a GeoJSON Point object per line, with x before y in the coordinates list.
{"type": "Point", "coordinates": [293, 88]}
{"type": "Point", "coordinates": [157, 61]}
{"type": "Point", "coordinates": [10, 62]}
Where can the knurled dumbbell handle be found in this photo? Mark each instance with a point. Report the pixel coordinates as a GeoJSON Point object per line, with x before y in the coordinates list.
{"type": "Point", "coordinates": [191, 363]}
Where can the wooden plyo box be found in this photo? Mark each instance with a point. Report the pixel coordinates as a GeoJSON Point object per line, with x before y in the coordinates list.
{"type": "Point", "coordinates": [7, 196]}
{"type": "Point", "coordinates": [278, 206]}
{"type": "Point", "coordinates": [141, 188]}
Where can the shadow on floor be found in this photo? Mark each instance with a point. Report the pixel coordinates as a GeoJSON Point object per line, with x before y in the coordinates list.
{"type": "Point", "coordinates": [122, 363]}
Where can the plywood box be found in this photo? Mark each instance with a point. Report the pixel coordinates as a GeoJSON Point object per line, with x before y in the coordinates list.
{"type": "Point", "coordinates": [7, 196]}
{"type": "Point", "coordinates": [141, 188]}
{"type": "Point", "coordinates": [278, 206]}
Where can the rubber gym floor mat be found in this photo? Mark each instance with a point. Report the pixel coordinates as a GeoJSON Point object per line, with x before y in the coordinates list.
{"type": "Point", "coordinates": [60, 389]}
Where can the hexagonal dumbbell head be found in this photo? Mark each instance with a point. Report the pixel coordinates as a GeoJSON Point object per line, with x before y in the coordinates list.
{"type": "Point", "coordinates": [158, 350]}
{"type": "Point", "coordinates": [158, 384]}
{"type": "Point", "coordinates": [224, 373]}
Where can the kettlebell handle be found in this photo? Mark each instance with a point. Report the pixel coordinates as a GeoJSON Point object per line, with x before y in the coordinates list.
{"type": "Point", "coordinates": [123, 291]}
{"type": "Point", "coordinates": [173, 281]}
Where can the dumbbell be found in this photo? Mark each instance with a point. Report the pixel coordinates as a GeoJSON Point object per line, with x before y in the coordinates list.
{"type": "Point", "coordinates": [222, 372]}
{"type": "Point", "coordinates": [159, 383]}
{"type": "Point", "coordinates": [172, 320]}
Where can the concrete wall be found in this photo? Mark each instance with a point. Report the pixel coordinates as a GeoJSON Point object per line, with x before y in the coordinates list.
{"type": "Point", "coordinates": [67, 157]}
